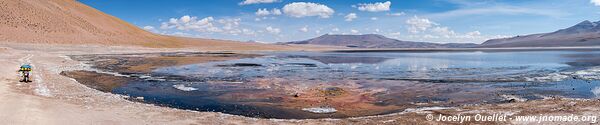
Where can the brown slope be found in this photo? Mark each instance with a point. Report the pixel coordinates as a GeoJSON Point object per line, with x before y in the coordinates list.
{"type": "Point", "coordinates": [71, 22]}
{"type": "Point", "coordinates": [585, 34]}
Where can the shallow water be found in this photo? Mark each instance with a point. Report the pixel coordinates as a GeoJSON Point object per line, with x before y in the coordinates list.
{"type": "Point", "coordinates": [280, 85]}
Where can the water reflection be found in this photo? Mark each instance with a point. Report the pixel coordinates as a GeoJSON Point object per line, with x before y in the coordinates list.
{"type": "Point", "coordinates": [366, 83]}
{"type": "Point", "coordinates": [596, 91]}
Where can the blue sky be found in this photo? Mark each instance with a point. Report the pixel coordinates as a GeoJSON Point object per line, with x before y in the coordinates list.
{"type": "Point", "coordinates": [440, 21]}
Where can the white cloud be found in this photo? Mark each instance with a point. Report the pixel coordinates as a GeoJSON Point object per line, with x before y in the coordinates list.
{"type": "Point", "coordinates": [148, 28]}
{"type": "Point", "coordinates": [276, 11]}
{"type": "Point", "coordinates": [248, 32]}
{"type": "Point", "coordinates": [335, 29]}
{"type": "Point", "coordinates": [265, 12]}
{"type": "Point", "coordinates": [416, 24]}
{"type": "Point", "coordinates": [191, 23]}
{"type": "Point", "coordinates": [262, 12]}
{"type": "Point", "coordinates": [474, 33]}
{"type": "Point", "coordinates": [374, 18]}
{"type": "Point", "coordinates": [273, 30]}
{"type": "Point", "coordinates": [228, 26]}
{"type": "Point", "coordinates": [304, 29]}
{"type": "Point", "coordinates": [423, 29]}
{"type": "Point", "coordinates": [185, 19]}
{"type": "Point", "coordinates": [182, 34]}
{"type": "Point", "coordinates": [375, 7]}
{"type": "Point", "coordinates": [396, 14]}
{"type": "Point", "coordinates": [246, 2]}
{"type": "Point", "coordinates": [595, 2]}
{"type": "Point", "coordinates": [305, 9]}
{"type": "Point", "coordinates": [353, 31]}
{"type": "Point", "coordinates": [443, 31]}
{"type": "Point", "coordinates": [350, 16]}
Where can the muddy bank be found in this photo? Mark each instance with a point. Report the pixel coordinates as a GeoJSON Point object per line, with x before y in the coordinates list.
{"type": "Point", "coordinates": [99, 81]}
{"type": "Point", "coordinates": [145, 62]}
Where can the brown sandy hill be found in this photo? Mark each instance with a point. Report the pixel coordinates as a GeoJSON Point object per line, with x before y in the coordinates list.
{"type": "Point", "coordinates": [584, 34]}
{"type": "Point", "coordinates": [71, 22]}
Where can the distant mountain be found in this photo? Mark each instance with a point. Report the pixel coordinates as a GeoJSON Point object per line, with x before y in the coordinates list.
{"type": "Point", "coordinates": [374, 41]}
{"type": "Point", "coordinates": [586, 33]}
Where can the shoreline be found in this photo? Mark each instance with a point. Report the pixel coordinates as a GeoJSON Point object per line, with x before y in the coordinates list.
{"type": "Point", "coordinates": [509, 49]}
{"type": "Point", "coordinates": [80, 104]}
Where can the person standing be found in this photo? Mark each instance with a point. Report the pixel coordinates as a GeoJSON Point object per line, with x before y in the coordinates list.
{"type": "Point", "coordinates": [25, 72]}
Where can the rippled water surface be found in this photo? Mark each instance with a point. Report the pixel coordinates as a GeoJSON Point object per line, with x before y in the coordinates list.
{"type": "Point", "coordinates": [281, 85]}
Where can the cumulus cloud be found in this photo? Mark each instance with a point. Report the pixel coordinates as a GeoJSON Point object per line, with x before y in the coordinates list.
{"type": "Point", "coordinates": [229, 26]}
{"type": "Point", "coordinates": [595, 2]}
{"type": "Point", "coordinates": [265, 12]}
{"type": "Point", "coordinates": [350, 16]}
{"type": "Point", "coordinates": [375, 7]}
{"type": "Point", "coordinates": [246, 2]}
{"type": "Point", "coordinates": [191, 23]}
{"type": "Point", "coordinates": [443, 31]}
{"type": "Point", "coordinates": [306, 9]}
{"type": "Point", "coordinates": [423, 29]}
{"type": "Point", "coordinates": [276, 11]}
{"type": "Point", "coordinates": [273, 30]}
{"type": "Point", "coordinates": [416, 24]}
{"type": "Point", "coordinates": [262, 12]}
{"type": "Point", "coordinates": [304, 29]}
{"type": "Point", "coordinates": [374, 18]}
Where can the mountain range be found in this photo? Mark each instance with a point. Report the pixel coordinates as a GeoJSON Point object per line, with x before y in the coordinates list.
{"type": "Point", "coordinates": [375, 41]}
{"type": "Point", "coordinates": [586, 33]}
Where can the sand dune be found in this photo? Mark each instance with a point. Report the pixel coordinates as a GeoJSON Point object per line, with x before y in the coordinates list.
{"type": "Point", "coordinates": [71, 22]}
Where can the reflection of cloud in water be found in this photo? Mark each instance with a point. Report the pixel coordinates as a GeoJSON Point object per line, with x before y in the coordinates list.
{"type": "Point", "coordinates": [596, 91]}
{"type": "Point", "coordinates": [419, 64]}
{"type": "Point", "coordinates": [347, 59]}
{"type": "Point", "coordinates": [184, 88]}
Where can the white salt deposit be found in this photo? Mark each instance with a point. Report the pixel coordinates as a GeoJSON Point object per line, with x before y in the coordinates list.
{"type": "Point", "coordinates": [512, 97]}
{"type": "Point", "coordinates": [424, 109]}
{"type": "Point", "coordinates": [40, 88]}
{"type": "Point", "coordinates": [587, 74]}
{"type": "Point", "coordinates": [184, 88]}
{"type": "Point", "coordinates": [552, 77]}
{"type": "Point", "coordinates": [320, 110]}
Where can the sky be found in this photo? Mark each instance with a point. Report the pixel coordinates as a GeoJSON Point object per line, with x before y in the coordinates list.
{"type": "Point", "coordinates": [271, 21]}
